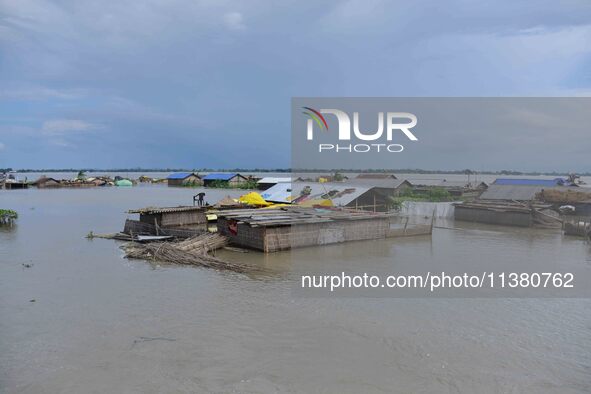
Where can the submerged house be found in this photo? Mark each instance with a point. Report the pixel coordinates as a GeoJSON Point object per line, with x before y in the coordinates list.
{"type": "Point", "coordinates": [222, 178]}
{"type": "Point", "coordinates": [511, 192]}
{"type": "Point", "coordinates": [45, 181]}
{"type": "Point", "coordinates": [513, 205]}
{"type": "Point", "coordinates": [271, 230]}
{"type": "Point", "coordinates": [267, 182]}
{"type": "Point", "coordinates": [184, 178]}
{"type": "Point", "coordinates": [172, 216]}
{"type": "Point", "coordinates": [530, 182]}
{"type": "Point", "coordinates": [491, 212]}
{"type": "Point", "coordinates": [182, 221]}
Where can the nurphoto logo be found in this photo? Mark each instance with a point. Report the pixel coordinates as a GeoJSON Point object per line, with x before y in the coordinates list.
{"type": "Point", "coordinates": [395, 121]}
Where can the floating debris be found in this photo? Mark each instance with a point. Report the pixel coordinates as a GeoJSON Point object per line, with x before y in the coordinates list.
{"type": "Point", "coordinates": [118, 236]}
{"type": "Point", "coordinates": [192, 251]}
{"type": "Point", "coordinates": [150, 339]}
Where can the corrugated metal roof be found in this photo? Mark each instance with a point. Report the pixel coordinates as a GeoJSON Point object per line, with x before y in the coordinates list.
{"type": "Point", "coordinates": [298, 215]}
{"type": "Point", "coordinates": [529, 182]}
{"type": "Point", "coordinates": [511, 192]}
{"type": "Point", "coordinates": [151, 210]}
{"type": "Point", "coordinates": [281, 192]}
{"type": "Point", "coordinates": [219, 176]}
{"type": "Point", "coordinates": [519, 192]}
{"type": "Point", "coordinates": [445, 183]}
{"type": "Point", "coordinates": [179, 175]}
{"type": "Point", "coordinates": [273, 180]}
{"type": "Point", "coordinates": [340, 194]}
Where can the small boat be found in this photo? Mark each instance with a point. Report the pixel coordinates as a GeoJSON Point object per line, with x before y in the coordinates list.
{"type": "Point", "coordinates": [152, 238]}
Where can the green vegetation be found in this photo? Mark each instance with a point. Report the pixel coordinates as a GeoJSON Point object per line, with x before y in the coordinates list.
{"type": "Point", "coordinates": [192, 184]}
{"type": "Point", "coordinates": [219, 184]}
{"type": "Point", "coordinates": [7, 216]}
{"type": "Point", "coordinates": [435, 194]}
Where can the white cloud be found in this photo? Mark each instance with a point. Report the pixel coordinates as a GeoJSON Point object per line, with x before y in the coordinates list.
{"type": "Point", "coordinates": [234, 21]}
{"type": "Point", "coordinates": [66, 126]}
{"type": "Point", "coordinates": [2, 146]}
{"type": "Point", "coordinates": [41, 93]}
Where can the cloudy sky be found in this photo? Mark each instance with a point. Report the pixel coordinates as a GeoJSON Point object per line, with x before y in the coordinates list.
{"type": "Point", "coordinates": [179, 83]}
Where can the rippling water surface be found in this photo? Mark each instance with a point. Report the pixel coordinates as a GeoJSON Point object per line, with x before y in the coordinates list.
{"type": "Point", "coordinates": [103, 324]}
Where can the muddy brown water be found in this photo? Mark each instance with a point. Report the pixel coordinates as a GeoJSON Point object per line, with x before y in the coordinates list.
{"type": "Point", "coordinates": [100, 323]}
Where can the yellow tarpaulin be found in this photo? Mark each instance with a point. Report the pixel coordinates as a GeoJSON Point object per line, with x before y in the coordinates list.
{"type": "Point", "coordinates": [272, 206]}
{"type": "Point", "coordinates": [253, 198]}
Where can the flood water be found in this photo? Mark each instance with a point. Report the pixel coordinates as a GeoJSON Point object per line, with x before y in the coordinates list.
{"type": "Point", "coordinates": [102, 324]}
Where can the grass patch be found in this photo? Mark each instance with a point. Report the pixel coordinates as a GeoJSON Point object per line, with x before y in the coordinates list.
{"type": "Point", "coordinates": [436, 194]}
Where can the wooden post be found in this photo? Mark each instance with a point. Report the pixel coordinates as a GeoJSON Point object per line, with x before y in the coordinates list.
{"type": "Point", "coordinates": [433, 219]}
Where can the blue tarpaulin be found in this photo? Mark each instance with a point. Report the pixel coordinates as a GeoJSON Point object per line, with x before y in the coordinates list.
{"type": "Point", "coordinates": [219, 176]}
{"type": "Point", "coordinates": [179, 175]}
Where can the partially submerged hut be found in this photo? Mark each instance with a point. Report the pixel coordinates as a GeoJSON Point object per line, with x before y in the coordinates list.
{"type": "Point", "coordinates": [184, 178]}
{"type": "Point", "coordinates": [491, 213]}
{"type": "Point", "coordinates": [271, 230]}
{"type": "Point", "coordinates": [172, 216]}
{"type": "Point", "coordinates": [182, 221]}
{"type": "Point", "coordinates": [523, 192]}
{"type": "Point", "coordinates": [224, 179]}
{"type": "Point", "coordinates": [45, 181]}
{"type": "Point", "coordinates": [508, 213]}
{"type": "Point", "coordinates": [530, 182]}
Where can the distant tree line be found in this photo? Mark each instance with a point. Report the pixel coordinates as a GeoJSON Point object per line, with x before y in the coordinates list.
{"type": "Point", "coordinates": [306, 170]}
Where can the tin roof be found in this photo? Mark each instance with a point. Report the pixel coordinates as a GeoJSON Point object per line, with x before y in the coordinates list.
{"type": "Point", "coordinates": [286, 216]}
{"type": "Point", "coordinates": [180, 175]}
{"type": "Point", "coordinates": [384, 183]}
{"type": "Point", "coordinates": [220, 176]}
{"type": "Point", "coordinates": [152, 210]}
{"type": "Point", "coordinates": [270, 179]}
{"type": "Point", "coordinates": [281, 193]}
{"type": "Point", "coordinates": [445, 183]}
{"type": "Point", "coordinates": [518, 192]}
{"type": "Point", "coordinates": [511, 192]}
{"type": "Point", "coordinates": [339, 193]}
